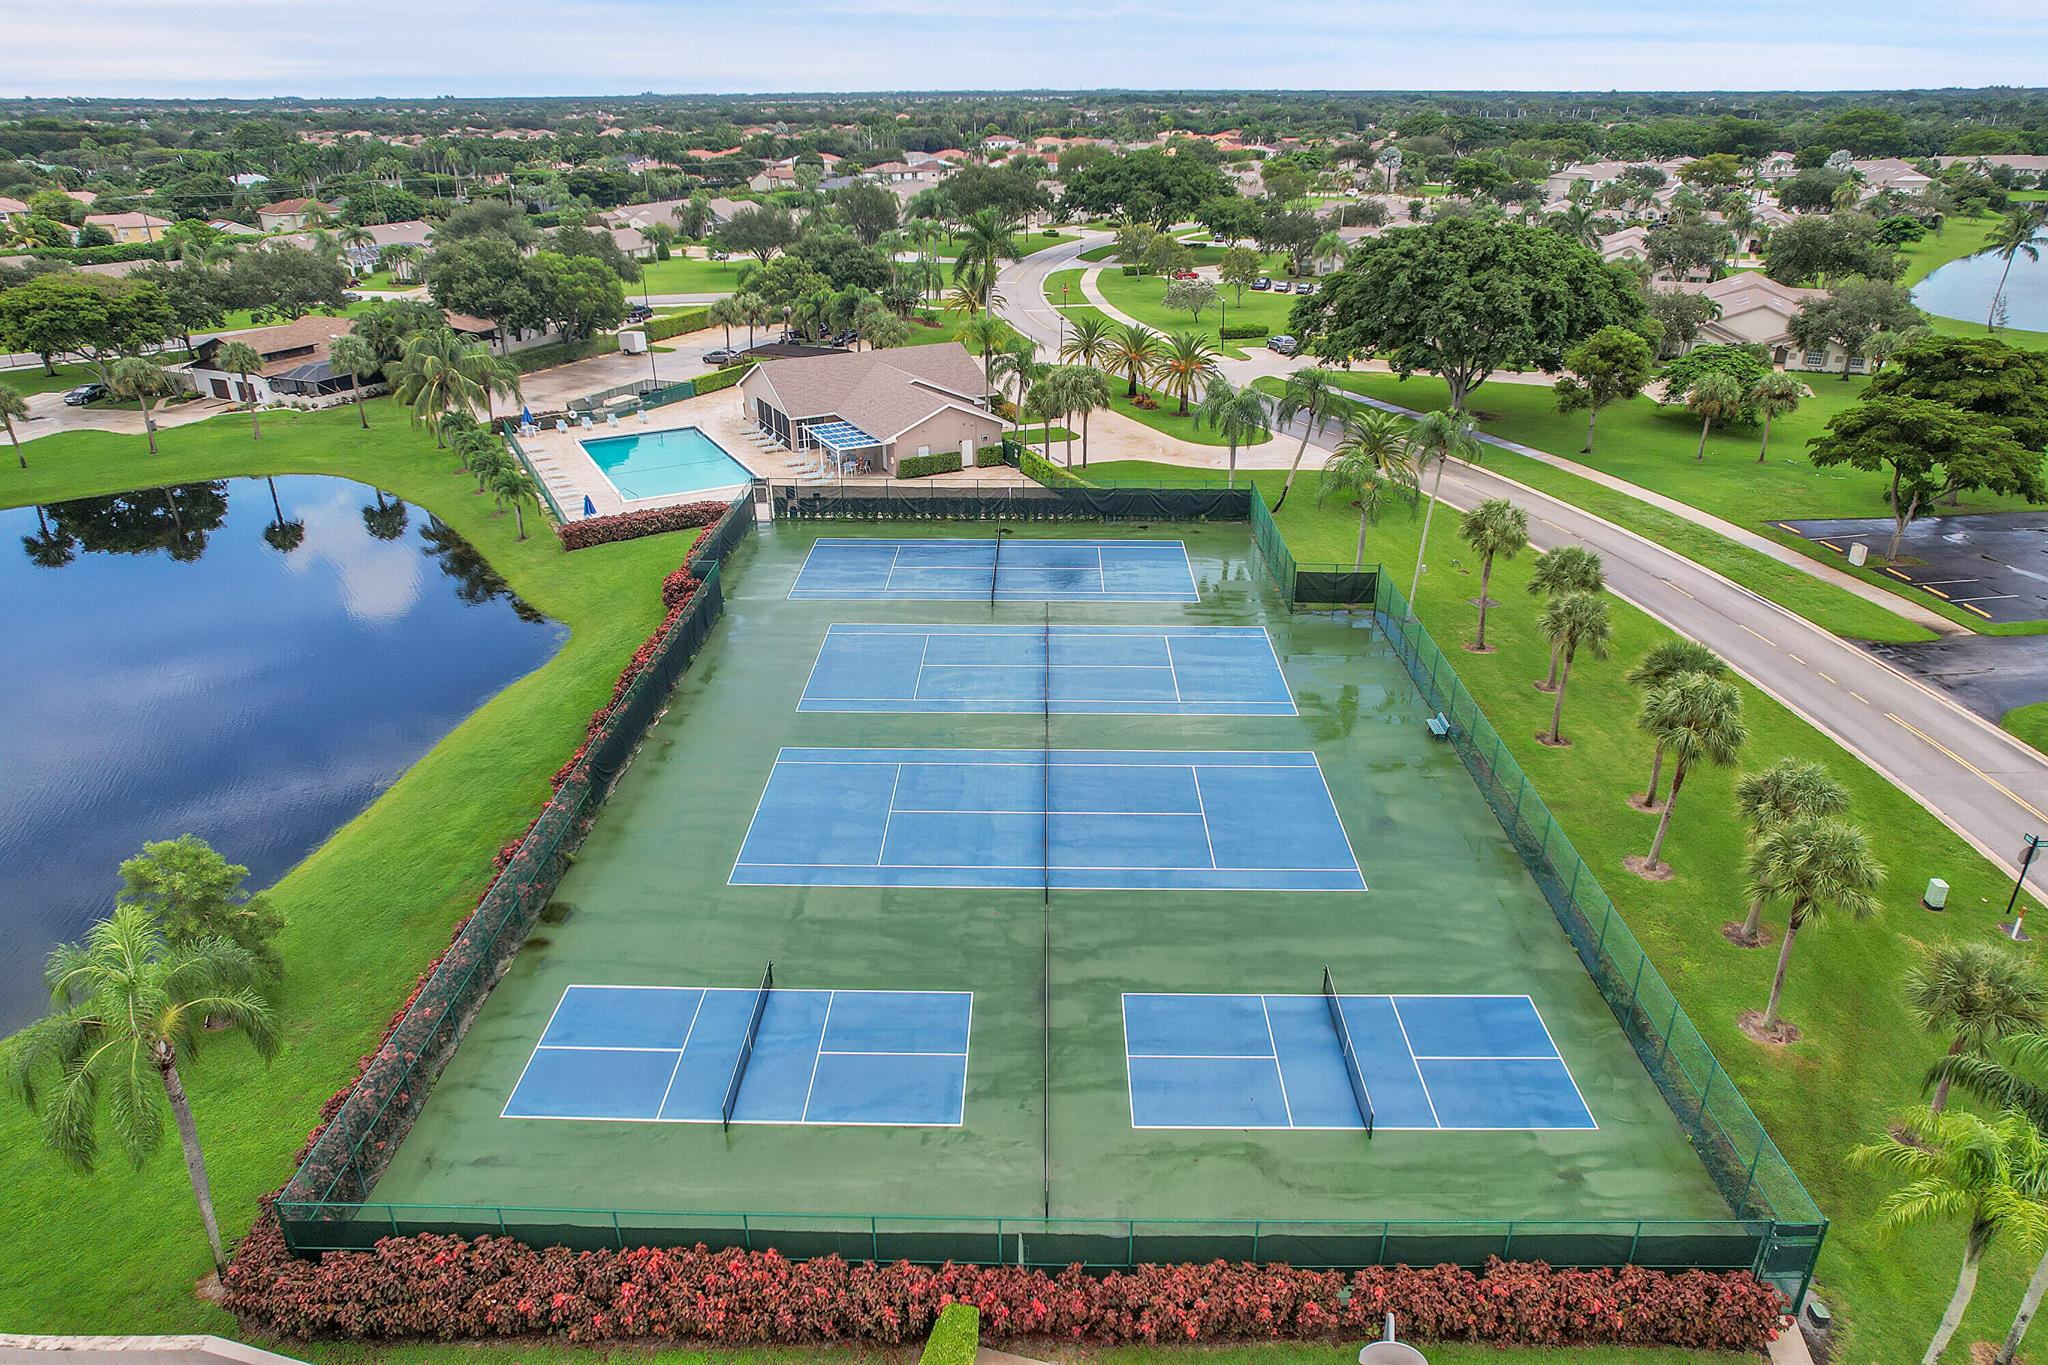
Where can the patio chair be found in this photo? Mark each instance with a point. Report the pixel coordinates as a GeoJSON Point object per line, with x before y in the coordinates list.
{"type": "Point", "coordinates": [561, 424]}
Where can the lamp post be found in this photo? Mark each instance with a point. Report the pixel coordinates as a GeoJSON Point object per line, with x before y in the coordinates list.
{"type": "Point", "coordinates": [2014, 930]}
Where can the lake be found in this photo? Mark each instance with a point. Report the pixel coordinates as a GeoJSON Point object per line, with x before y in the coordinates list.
{"type": "Point", "coordinates": [1962, 289]}
{"type": "Point", "coordinates": [249, 660]}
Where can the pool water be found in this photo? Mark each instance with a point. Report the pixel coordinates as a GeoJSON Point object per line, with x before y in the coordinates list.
{"type": "Point", "coordinates": [655, 464]}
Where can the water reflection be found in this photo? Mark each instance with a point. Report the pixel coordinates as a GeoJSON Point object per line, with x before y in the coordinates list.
{"type": "Point", "coordinates": [251, 661]}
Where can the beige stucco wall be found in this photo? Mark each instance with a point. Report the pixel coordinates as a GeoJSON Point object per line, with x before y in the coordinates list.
{"type": "Point", "coordinates": [944, 431]}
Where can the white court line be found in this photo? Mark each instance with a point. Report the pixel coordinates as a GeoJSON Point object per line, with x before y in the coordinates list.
{"type": "Point", "coordinates": [1412, 1063]}
{"type": "Point", "coordinates": [687, 1034]}
{"type": "Point", "coordinates": [1207, 838]}
{"type": "Point", "coordinates": [1172, 667]}
{"type": "Point", "coordinates": [882, 848]}
{"type": "Point", "coordinates": [1285, 1103]}
{"type": "Point", "coordinates": [536, 1050]}
{"type": "Point", "coordinates": [816, 1057]}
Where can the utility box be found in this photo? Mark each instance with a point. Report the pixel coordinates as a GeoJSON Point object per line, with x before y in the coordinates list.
{"type": "Point", "coordinates": [633, 343]}
{"type": "Point", "coordinates": [1858, 552]}
{"type": "Point", "coordinates": [1937, 894]}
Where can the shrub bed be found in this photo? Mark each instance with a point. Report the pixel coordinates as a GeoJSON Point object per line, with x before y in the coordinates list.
{"type": "Point", "coordinates": [1036, 466]}
{"type": "Point", "coordinates": [1244, 331]}
{"type": "Point", "coordinates": [562, 352]}
{"type": "Point", "coordinates": [720, 379]}
{"type": "Point", "coordinates": [924, 466]}
{"type": "Point", "coordinates": [1132, 270]}
{"type": "Point", "coordinates": [449, 1288]}
{"type": "Point", "coordinates": [987, 456]}
{"type": "Point", "coordinates": [675, 324]}
{"type": "Point", "coordinates": [649, 521]}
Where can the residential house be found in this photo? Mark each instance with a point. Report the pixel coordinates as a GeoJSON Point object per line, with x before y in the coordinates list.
{"type": "Point", "coordinates": [296, 367]}
{"type": "Point", "coordinates": [231, 227]}
{"type": "Point", "coordinates": [2028, 168]}
{"type": "Point", "coordinates": [875, 408]}
{"type": "Point", "coordinates": [384, 236]}
{"type": "Point", "coordinates": [11, 208]}
{"type": "Point", "coordinates": [1775, 167]}
{"type": "Point", "coordinates": [85, 197]}
{"type": "Point", "coordinates": [671, 212]}
{"type": "Point", "coordinates": [998, 147]}
{"type": "Point", "coordinates": [633, 243]}
{"type": "Point", "coordinates": [290, 215]}
{"type": "Point", "coordinates": [1633, 244]}
{"type": "Point", "coordinates": [1598, 175]}
{"type": "Point", "coordinates": [1890, 173]}
{"type": "Point", "coordinates": [1757, 310]}
{"type": "Point", "coordinates": [130, 227]}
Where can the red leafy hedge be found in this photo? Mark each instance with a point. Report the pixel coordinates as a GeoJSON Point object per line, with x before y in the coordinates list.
{"type": "Point", "coordinates": [449, 1288]}
{"type": "Point", "coordinates": [650, 521]}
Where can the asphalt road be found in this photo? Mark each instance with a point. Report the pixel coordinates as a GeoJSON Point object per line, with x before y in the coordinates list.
{"type": "Point", "coordinates": [1982, 783]}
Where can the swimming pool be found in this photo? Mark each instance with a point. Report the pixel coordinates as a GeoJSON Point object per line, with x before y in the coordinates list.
{"type": "Point", "coordinates": [654, 464]}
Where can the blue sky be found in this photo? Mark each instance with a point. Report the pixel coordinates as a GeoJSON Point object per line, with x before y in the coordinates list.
{"type": "Point", "coordinates": [200, 48]}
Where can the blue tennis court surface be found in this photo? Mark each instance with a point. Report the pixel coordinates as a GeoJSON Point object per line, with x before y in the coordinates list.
{"type": "Point", "coordinates": [842, 568]}
{"type": "Point", "coordinates": [1080, 819]}
{"type": "Point", "coordinates": [661, 1054]}
{"type": "Point", "coordinates": [1474, 1062]}
{"type": "Point", "coordinates": [1092, 670]}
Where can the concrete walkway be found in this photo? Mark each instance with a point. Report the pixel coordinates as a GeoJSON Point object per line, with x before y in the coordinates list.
{"type": "Point", "coordinates": [192, 1350]}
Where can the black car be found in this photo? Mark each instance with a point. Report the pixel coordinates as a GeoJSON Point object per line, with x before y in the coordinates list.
{"type": "Point", "coordinates": [83, 394]}
{"type": "Point", "coordinates": [1262, 283]}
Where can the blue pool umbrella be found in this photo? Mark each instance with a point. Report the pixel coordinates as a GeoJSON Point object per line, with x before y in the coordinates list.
{"type": "Point", "coordinates": [589, 507]}
{"type": "Point", "coordinates": [526, 417]}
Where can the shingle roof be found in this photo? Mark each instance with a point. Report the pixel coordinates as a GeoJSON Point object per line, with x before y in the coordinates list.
{"type": "Point", "coordinates": [882, 392]}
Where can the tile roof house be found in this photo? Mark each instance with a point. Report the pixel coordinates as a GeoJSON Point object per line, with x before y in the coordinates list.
{"type": "Point", "coordinates": [130, 227]}
{"type": "Point", "coordinates": [10, 207]}
{"type": "Point", "coordinates": [296, 369]}
{"type": "Point", "coordinates": [881, 406]}
{"type": "Point", "coordinates": [1757, 310]}
{"type": "Point", "coordinates": [289, 215]}
{"type": "Point", "coordinates": [1890, 173]}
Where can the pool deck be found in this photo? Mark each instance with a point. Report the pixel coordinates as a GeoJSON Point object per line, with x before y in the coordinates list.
{"type": "Point", "coordinates": [571, 475]}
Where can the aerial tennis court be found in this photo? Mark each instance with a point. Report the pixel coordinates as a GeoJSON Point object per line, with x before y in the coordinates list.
{"type": "Point", "coordinates": [997, 568]}
{"type": "Point", "coordinates": [1471, 1062]}
{"type": "Point", "coordinates": [981, 842]}
{"type": "Point", "coordinates": [675, 1054]}
{"type": "Point", "coordinates": [1073, 669]}
{"type": "Point", "coordinates": [1071, 819]}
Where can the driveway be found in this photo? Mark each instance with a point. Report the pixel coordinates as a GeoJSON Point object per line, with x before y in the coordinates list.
{"type": "Point", "coordinates": [47, 416]}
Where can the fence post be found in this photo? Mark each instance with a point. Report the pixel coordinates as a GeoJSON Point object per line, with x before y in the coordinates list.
{"type": "Point", "coordinates": [618, 1233]}
{"type": "Point", "coordinates": [1750, 1184]}
{"type": "Point", "coordinates": [874, 1241]}
{"type": "Point", "coordinates": [1635, 1241]}
{"type": "Point", "coordinates": [746, 1234]}
{"type": "Point", "coordinates": [1665, 1055]}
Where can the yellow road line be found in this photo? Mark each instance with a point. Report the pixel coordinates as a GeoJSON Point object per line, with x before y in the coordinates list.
{"type": "Point", "coordinates": [1830, 544]}
{"type": "Point", "coordinates": [1896, 574]}
{"type": "Point", "coordinates": [1979, 610]}
{"type": "Point", "coordinates": [1859, 696]}
{"type": "Point", "coordinates": [1826, 679]}
{"type": "Point", "coordinates": [1936, 591]}
{"type": "Point", "coordinates": [2009, 793]}
{"type": "Point", "coordinates": [1765, 638]}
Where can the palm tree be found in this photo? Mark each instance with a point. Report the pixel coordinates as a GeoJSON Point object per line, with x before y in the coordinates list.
{"type": "Point", "coordinates": [1988, 1172]}
{"type": "Point", "coordinates": [756, 310]}
{"type": "Point", "coordinates": [1573, 621]}
{"type": "Point", "coordinates": [1438, 438]}
{"type": "Point", "coordinates": [1978, 993]}
{"type": "Point", "coordinates": [1661, 666]}
{"type": "Point", "coordinates": [1040, 404]}
{"type": "Point", "coordinates": [126, 1009]}
{"type": "Point", "coordinates": [355, 236]}
{"type": "Point", "coordinates": [1087, 390]}
{"type": "Point", "coordinates": [142, 380]}
{"type": "Point", "coordinates": [1713, 396]}
{"type": "Point", "coordinates": [402, 260]}
{"type": "Point", "coordinates": [1240, 415]}
{"type": "Point", "coordinates": [353, 357]}
{"type": "Point", "coordinates": [1576, 223]}
{"type": "Point", "coordinates": [1696, 717]}
{"type": "Point", "coordinates": [1786, 790]}
{"type": "Point", "coordinates": [984, 334]}
{"type": "Point", "coordinates": [1569, 568]}
{"type": "Point", "coordinates": [13, 405]}
{"type": "Point", "coordinates": [441, 374]}
{"type": "Point", "coordinates": [1775, 395]}
{"type": "Point", "coordinates": [1018, 360]}
{"type": "Point", "coordinates": [2011, 1075]}
{"type": "Point", "coordinates": [2013, 237]}
{"type": "Point", "coordinates": [1087, 341]}
{"type": "Point", "coordinates": [1494, 527]}
{"type": "Point", "coordinates": [513, 487]}
{"type": "Point", "coordinates": [985, 243]}
{"type": "Point", "coordinates": [1309, 395]}
{"type": "Point", "coordinates": [241, 360]}
{"type": "Point", "coordinates": [1373, 464]}
{"type": "Point", "coordinates": [1186, 365]}
{"type": "Point", "coordinates": [727, 313]}
{"type": "Point", "coordinates": [1134, 353]}
{"type": "Point", "coordinates": [1815, 864]}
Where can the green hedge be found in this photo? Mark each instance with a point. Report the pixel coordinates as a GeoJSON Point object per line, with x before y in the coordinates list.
{"type": "Point", "coordinates": [1245, 331]}
{"type": "Point", "coordinates": [924, 466]}
{"type": "Point", "coordinates": [720, 379]}
{"type": "Point", "coordinates": [955, 1338]}
{"type": "Point", "coordinates": [1037, 467]}
{"type": "Point", "coordinates": [103, 255]}
{"type": "Point", "coordinates": [675, 324]}
{"type": "Point", "coordinates": [1132, 270]}
{"type": "Point", "coordinates": [987, 456]}
{"type": "Point", "coordinates": [562, 352]}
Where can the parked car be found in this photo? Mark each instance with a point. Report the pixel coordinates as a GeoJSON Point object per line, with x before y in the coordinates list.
{"type": "Point", "coordinates": [1184, 274]}
{"type": "Point", "coordinates": [1305, 287]}
{"type": "Point", "coordinates": [721, 357]}
{"type": "Point", "coordinates": [1262, 283]}
{"type": "Point", "coordinates": [83, 394]}
{"type": "Point", "coordinates": [717, 255]}
{"type": "Point", "coordinates": [639, 312]}
{"type": "Point", "coordinates": [1283, 343]}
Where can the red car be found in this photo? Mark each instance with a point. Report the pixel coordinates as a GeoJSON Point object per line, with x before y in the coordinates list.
{"type": "Point", "coordinates": [1184, 274]}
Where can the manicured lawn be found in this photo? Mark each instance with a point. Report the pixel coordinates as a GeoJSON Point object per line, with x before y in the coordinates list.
{"type": "Point", "coordinates": [68, 376]}
{"type": "Point", "coordinates": [1029, 243]}
{"type": "Point", "coordinates": [121, 1250]}
{"type": "Point", "coordinates": [690, 275]}
{"type": "Point", "coordinates": [1652, 445]}
{"type": "Point", "coordinates": [1166, 417]}
{"type": "Point", "coordinates": [1143, 297]}
{"type": "Point", "coordinates": [384, 279]}
{"type": "Point", "coordinates": [1960, 237]}
{"type": "Point", "coordinates": [1860, 1060]}
{"type": "Point", "coordinates": [242, 317]}
{"type": "Point", "coordinates": [2030, 723]}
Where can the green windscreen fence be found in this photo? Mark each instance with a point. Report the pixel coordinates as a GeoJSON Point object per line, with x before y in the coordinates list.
{"type": "Point", "coordinates": [921, 501]}
{"type": "Point", "coordinates": [340, 1171]}
{"type": "Point", "coordinates": [1746, 1165]}
{"type": "Point", "coordinates": [1308, 585]}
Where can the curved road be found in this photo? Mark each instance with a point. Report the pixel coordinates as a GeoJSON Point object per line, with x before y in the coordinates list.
{"type": "Point", "coordinates": [1978, 780]}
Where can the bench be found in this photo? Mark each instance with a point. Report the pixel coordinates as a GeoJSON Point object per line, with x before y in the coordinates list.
{"type": "Point", "coordinates": [1439, 726]}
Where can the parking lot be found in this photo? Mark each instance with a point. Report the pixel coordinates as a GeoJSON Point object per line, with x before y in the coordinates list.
{"type": "Point", "coordinates": [1993, 565]}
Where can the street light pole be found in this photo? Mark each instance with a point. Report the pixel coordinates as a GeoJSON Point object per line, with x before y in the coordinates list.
{"type": "Point", "coordinates": [2014, 930]}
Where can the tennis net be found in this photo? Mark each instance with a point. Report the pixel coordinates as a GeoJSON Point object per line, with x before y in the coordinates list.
{"type": "Point", "coordinates": [995, 568]}
{"type": "Point", "coordinates": [739, 1066]}
{"type": "Point", "coordinates": [1351, 1069]}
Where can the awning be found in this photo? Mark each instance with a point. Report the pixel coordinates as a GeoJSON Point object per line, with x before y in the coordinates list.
{"type": "Point", "coordinates": [841, 437]}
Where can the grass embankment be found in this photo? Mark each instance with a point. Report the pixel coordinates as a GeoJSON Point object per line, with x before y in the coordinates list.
{"type": "Point", "coordinates": [1861, 1060]}
{"type": "Point", "coordinates": [1960, 237]}
{"type": "Point", "coordinates": [119, 1251]}
{"type": "Point", "coordinates": [1651, 445]}
{"type": "Point", "coordinates": [1144, 298]}
{"type": "Point", "coordinates": [681, 274]}
{"type": "Point", "coordinates": [2029, 723]}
